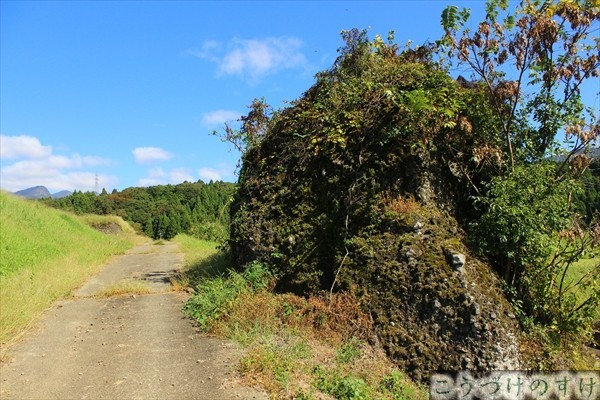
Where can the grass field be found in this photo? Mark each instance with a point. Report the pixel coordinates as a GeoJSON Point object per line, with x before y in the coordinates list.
{"type": "Point", "coordinates": [45, 254]}
{"type": "Point", "coordinates": [584, 270]}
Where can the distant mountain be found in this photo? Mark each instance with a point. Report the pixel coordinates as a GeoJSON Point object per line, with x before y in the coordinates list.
{"type": "Point", "coordinates": [41, 192]}
{"type": "Point", "coordinates": [61, 194]}
{"type": "Point", "coordinates": [593, 153]}
{"type": "Point", "coordinates": [36, 192]}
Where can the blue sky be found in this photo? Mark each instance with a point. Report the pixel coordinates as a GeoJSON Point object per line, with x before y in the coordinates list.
{"type": "Point", "coordinates": [131, 91]}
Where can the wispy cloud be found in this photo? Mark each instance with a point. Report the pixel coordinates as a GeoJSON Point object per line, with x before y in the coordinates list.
{"type": "Point", "coordinates": [222, 172]}
{"type": "Point", "coordinates": [254, 58]}
{"type": "Point", "coordinates": [66, 180]}
{"type": "Point", "coordinates": [207, 174]}
{"type": "Point", "coordinates": [179, 175]}
{"type": "Point", "coordinates": [37, 165]}
{"type": "Point", "coordinates": [219, 117]}
{"type": "Point", "coordinates": [158, 176]}
{"type": "Point", "coordinates": [15, 147]}
{"type": "Point", "coordinates": [148, 155]}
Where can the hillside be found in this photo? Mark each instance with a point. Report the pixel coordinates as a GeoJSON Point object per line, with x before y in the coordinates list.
{"type": "Point", "coordinates": [161, 211]}
{"type": "Point", "coordinates": [45, 253]}
{"type": "Point", "coordinates": [36, 192]}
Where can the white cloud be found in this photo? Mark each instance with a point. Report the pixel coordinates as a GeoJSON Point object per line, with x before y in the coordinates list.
{"type": "Point", "coordinates": [254, 58]}
{"type": "Point", "coordinates": [26, 174]}
{"type": "Point", "coordinates": [15, 147]}
{"type": "Point", "coordinates": [219, 117]}
{"type": "Point", "coordinates": [158, 176]}
{"type": "Point", "coordinates": [207, 174]}
{"type": "Point", "coordinates": [179, 175]}
{"type": "Point", "coordinates": [208, 50]}
{"type": "Point", "coordinates": [37, 165]}
{"type": "Point", "coordinates": [222, 172]}
{"type": "Point", "coordinates": [147, 155]}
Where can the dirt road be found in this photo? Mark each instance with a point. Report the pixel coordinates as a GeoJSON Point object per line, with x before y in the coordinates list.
{"type": "Point", "coordinates": [128, 347]}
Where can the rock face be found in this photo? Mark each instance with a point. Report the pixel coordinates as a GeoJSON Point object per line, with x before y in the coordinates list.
{"type": "Point", "coordinates": [433, 310]}
{"type": "Point", "coordinates": [347, 191]}
{"type": "Point", "coordinates": [455, 259]}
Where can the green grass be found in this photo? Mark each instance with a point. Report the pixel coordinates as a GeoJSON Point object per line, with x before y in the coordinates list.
{"type": "Point", "coordinates": [100, 221]}
{"type": "Point", "coordinates": [294, 347]}
{"type": "Point", "coordinates": [581, 268]}
{"type": "Point", "coordinates": [202, 260]}
{"type": "Point", "coordinates": [44, 255]}
{"type": "Point", "coordinates": [589, 270]}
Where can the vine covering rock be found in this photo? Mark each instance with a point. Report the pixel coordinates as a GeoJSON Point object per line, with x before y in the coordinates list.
{"type": "Point", "coordinates": [357, 186]}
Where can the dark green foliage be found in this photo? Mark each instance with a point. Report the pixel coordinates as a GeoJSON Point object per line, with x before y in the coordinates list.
{"type": "Point", "coordinates": [161, 212]}
{"type": "Point", "coordinates": [522, 213]}
{"type": "Point", "coordinates": [587, 201]}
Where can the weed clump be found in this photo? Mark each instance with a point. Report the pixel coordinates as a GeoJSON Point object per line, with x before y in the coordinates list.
{"type": "Point", "coordinates": [296, 347]}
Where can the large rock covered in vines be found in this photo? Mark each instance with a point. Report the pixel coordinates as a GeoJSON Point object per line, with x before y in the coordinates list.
{"type": "Point", "coordinates": [357, 186]}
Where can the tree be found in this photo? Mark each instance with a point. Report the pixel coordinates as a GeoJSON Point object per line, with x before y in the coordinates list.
{"type": "Point", "coordinates": [172, 226]}
{"type": "Point", "coordinates": [149, 227]}
{"type": "Point", "coordinates": [143, 206]}
{"type": "Point", "coordinates": [533, 63]}
{"type": "Point", "coordinates": [253, 127]}
{"type": "Point", "coordinates": [160, 231]}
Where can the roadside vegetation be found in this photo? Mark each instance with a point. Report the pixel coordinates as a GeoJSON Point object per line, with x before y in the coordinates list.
{"type": "Point", "coordinates": [45, 254]}
{"type": "Point", "coordinates": [202, 260]}
{"type": "Point", "coordinates": [316, 348]}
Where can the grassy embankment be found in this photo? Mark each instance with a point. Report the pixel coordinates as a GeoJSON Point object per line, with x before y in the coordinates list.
{"type": "Point", "coordinates": [316, 348]}
{"type": "Point", "coordinates": [45, 254]}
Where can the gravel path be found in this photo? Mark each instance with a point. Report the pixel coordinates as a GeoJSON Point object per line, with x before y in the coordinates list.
{"type": "Point", "coordinates": [127, 347]}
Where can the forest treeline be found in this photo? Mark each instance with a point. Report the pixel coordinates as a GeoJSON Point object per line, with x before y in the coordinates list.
{"type": "Point", "coordinates": [161, 212]}
{"type": "Point", "coordinates": [587, 201]}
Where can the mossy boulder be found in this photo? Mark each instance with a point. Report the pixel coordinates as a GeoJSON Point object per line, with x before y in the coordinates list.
{"type": "Point", "coordinates": [355, 187]}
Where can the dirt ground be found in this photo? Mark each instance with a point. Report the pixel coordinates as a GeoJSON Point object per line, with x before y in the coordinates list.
{"type": "Point", "coordinates": [126, 347]}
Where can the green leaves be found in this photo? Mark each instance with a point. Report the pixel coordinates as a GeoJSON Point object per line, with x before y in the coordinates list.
{"type": "Point", "coordinates": [453, 18]}
{"type": "Point", "coordinates": [492, 7]}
